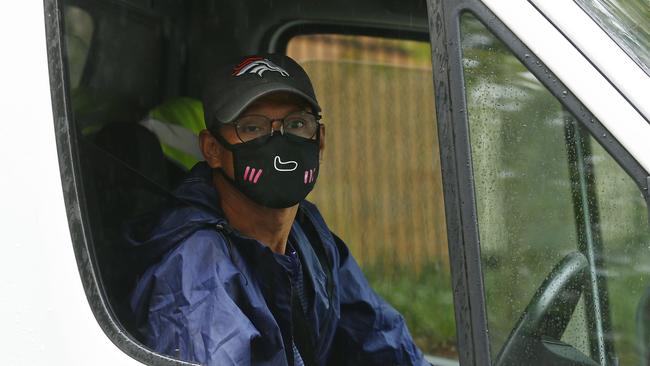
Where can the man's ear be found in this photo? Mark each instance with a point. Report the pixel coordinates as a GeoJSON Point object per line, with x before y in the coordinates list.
{"type": "Point", "coordinates": [211, 149]}
{"type": "Point", "coordinates": [322, 142]}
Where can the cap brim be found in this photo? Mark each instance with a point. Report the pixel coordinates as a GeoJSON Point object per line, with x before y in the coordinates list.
{"type": "Point", "coordinates": [239, 100]}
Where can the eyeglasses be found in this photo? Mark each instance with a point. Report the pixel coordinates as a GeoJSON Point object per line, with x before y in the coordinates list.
{"type": "Point", "coordinates": [302, 124]}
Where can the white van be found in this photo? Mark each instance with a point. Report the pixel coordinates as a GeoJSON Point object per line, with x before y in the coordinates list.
{"type": "Point", "coordinates": [487, 163]}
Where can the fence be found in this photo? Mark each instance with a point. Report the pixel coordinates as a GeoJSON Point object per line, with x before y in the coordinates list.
{"type": "Point", "coordinates": [379, 186]}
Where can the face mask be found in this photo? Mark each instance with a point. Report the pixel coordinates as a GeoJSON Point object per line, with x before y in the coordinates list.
{"type": "Point", "coordinates": [277, 171]}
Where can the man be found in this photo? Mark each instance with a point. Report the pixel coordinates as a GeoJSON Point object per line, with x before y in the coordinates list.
{"type": "Point", "coordinates": [250, 274]}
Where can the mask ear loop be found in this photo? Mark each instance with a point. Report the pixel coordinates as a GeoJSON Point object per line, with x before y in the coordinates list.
{"type": "Point", "coordinates": [221, 139]}
{"type": "Point", "coordinates": [229, 147]}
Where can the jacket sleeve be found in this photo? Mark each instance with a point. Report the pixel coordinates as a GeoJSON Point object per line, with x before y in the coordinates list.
{"type": "Point", "coordinates": [190, 315]}
{"type": "Point", "coordinates": [370, 331]}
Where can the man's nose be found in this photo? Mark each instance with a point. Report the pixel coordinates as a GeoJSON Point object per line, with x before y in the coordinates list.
{"type": "Point", "coordinates": [277, 126]}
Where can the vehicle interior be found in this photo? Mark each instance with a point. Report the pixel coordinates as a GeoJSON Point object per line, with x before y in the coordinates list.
{"type": "Point", "coordinates": [136, 70]}
{"type": "Point", "coordinates": [133, 64]}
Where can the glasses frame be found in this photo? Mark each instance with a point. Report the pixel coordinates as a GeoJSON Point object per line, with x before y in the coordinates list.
{"type": "Point", "coordinates": [316, 134]}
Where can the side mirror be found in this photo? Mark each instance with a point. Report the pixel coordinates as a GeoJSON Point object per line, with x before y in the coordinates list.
{"type": "Point", "coordinates": [535, 340]}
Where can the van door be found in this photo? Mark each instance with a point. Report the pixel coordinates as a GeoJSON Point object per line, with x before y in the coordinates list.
{"type": "Point", "coordinates": [547, 212]}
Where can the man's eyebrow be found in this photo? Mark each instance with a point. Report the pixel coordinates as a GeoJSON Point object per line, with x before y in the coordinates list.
{"type": "Point", "coordinates": [245, 114]}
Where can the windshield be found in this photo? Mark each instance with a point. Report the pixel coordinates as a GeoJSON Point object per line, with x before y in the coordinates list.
{"type": "Point", "coordinates": [627, 22]}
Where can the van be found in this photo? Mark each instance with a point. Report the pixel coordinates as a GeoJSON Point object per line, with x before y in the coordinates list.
{"type": "Point", "coordinates": [487, 164]}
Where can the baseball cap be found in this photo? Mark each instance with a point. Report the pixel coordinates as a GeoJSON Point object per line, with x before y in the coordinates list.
{"type": "Point", "coordinates": [237, 84]}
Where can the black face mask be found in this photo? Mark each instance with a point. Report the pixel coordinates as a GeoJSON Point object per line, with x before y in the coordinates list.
{"type": "Point", "coordinates": [277, 171]}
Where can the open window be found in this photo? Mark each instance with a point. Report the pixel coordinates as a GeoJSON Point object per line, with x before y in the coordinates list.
{"type": "Point", "coordinates": [377, 97]}
{"type": "Point", "coordinates": [124, 63]}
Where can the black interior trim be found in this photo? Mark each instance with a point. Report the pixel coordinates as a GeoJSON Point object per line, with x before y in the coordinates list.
{"type": "Point", "coordinates": [278, 40]}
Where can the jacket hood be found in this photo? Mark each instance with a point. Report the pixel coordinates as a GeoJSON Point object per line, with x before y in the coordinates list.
{"type": "Point", "coordinates": [192, 206]}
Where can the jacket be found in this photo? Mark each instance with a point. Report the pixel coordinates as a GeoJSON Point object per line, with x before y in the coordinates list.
{"type": "Point", "coordinates": [217, 297]}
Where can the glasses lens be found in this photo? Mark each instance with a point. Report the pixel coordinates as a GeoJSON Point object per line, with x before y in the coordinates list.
{"type": "Point", "coordinates": [301, 124]}
{"type": "Point", "coordinates": [252, 127]}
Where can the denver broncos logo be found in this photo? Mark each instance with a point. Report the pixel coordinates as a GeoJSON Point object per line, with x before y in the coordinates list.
{"type": "Point", "coordinates": [257, 65]}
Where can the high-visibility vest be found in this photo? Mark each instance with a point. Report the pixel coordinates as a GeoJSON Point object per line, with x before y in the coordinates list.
{"type": "Point", "coordinates": [177, 124]}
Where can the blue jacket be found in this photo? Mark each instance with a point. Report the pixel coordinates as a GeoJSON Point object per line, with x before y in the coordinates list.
{"type": "Point", "coordinates": [217, 297]}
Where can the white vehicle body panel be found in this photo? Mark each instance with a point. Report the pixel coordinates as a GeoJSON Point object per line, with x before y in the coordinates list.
{"type": "Point", "coordinates": [45, 316]}
{"type": "Point", "coordinates": [44, 313]}
{"type": "Point", "coordinates": [601, 50]}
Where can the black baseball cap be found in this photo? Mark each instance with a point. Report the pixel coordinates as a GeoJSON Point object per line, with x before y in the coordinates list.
{"type": "Point", "coordinates": [236, 85]}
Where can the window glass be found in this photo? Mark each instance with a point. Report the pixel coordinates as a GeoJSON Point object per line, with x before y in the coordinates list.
{"type": "Point", "coordinates": [626, 249]}
{"type": "Point", "coordinates": [121, 79]}
{"type": "Point", "coordinates": [128, 62]}
{"type": "Point", "coordinates": [627, 22]}
{"type": "Point", "coordinates": [521, 173]}
{"type": "Point", "coordinates": [79, 27]}
{"type": "Point", "coordinates": [381, 187]}
{"type": "Point", "coordinates": [528, 188]}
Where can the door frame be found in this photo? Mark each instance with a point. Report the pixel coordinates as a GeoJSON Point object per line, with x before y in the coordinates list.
{"type": "Point", "coordinates": [455, 155]}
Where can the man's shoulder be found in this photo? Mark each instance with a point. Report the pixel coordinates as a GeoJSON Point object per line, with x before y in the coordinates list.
{"type": "Point", "coordinates": [201, 257]}
{"type": "Point", "coordinates": [197, 265]}
{"type": "Point", "coordinates": [203, 246]}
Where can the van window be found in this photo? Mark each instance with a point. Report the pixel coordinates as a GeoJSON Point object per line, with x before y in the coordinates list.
{"type": "Point", "coordinates": [78, 36]}
{"type": "Point", "coordinates": [115, 63]}
{"type": "Point", "coordinates": [380, 188]}
{"type": "Point", "coordinates": [545, 188]}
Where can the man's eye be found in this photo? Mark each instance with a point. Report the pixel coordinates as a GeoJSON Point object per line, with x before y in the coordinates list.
{"type": "Point", "coordinates": [250, 128]}
{"type": "Point", "coordinates": [295, 124]}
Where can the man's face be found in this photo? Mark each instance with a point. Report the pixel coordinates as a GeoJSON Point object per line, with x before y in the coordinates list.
{"type": "Point", "coordinates": [274, 106]}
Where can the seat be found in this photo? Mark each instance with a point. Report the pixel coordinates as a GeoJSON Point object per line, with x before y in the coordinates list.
{"type": "Point", "coordinates": [120, 165]}
{"type": "Point", "coordinates": [177, 124]}
{"type": "Point", "coordinates": [128, 169]}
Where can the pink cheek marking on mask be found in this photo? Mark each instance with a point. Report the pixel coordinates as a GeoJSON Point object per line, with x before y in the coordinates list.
{"type": "Point", "coordinates": [246, 172]}
{"type": "Point", "coordinates": [311, 175]}
{"type": "Point", "coordinates": [250, 177]}
{"type": "Point", "coordinates": [257, 177]}
{"type": "Point", "coordinates": [306, 176]}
